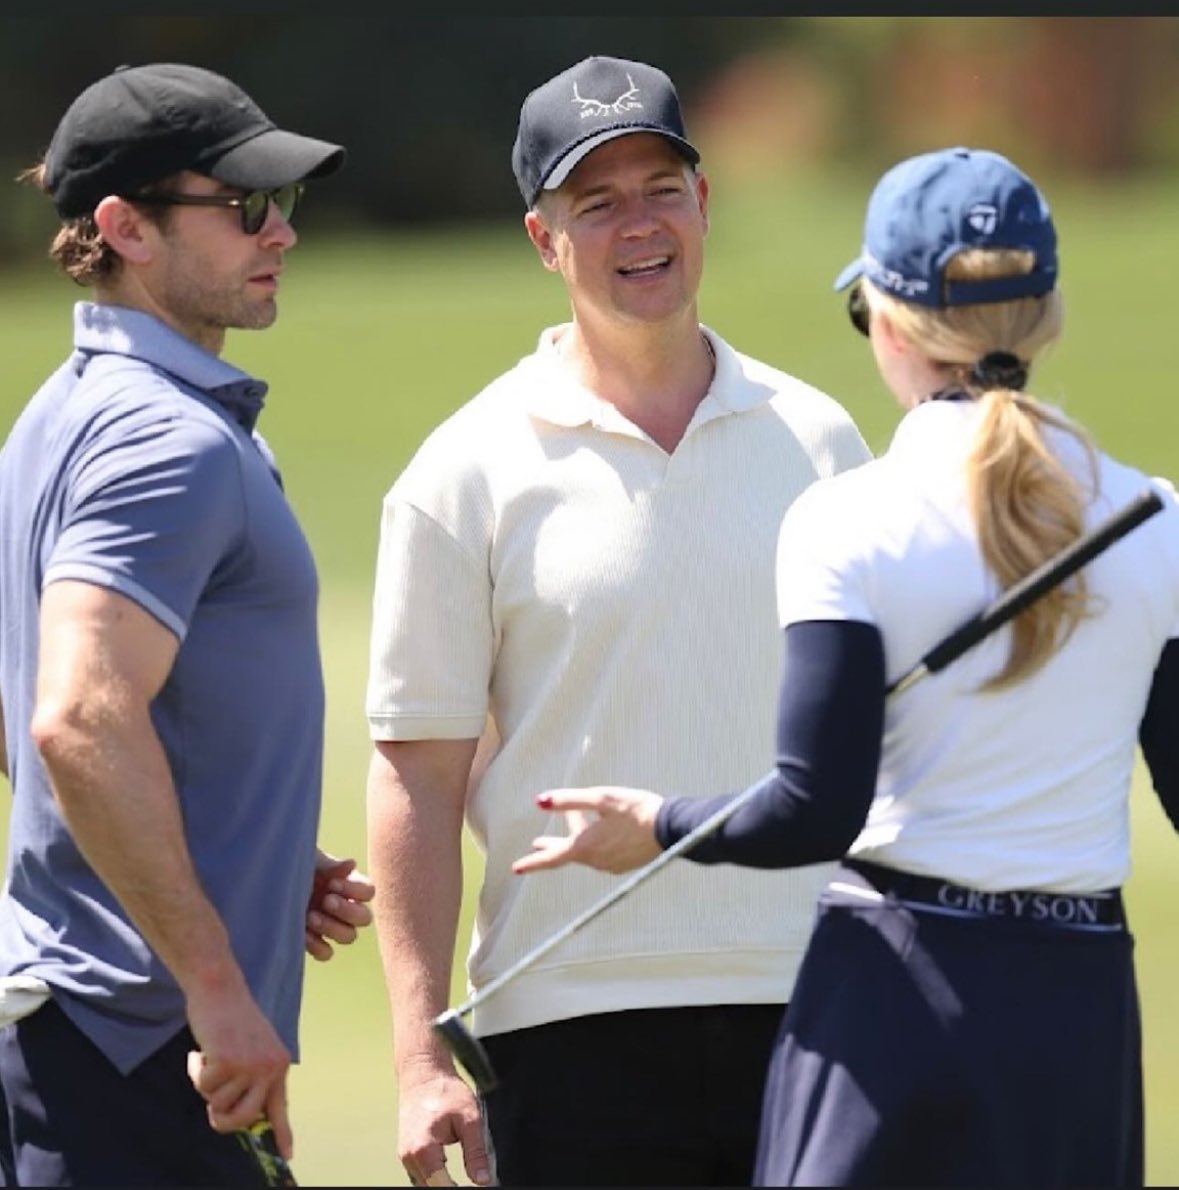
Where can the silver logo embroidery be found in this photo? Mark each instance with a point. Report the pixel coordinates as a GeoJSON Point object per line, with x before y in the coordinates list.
{"type": "Point", "coordinates": [983, 217]}
{"type": "Point", "coordinates": [626, 102]}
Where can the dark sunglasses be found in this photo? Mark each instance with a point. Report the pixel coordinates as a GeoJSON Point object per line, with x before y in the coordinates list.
{"type": "Point", "coordinates": [857, 309]}
{"type": "Point", "coordinates": [253, 207]}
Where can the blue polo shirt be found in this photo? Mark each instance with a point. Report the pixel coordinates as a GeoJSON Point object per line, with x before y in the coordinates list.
{"type": "Point", "coordinates": [137, 467]}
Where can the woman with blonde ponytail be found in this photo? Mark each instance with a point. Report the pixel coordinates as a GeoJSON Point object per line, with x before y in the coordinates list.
{"type": "Point", "coordinates": [1026, 503]}
{"type": "Point", "coordinates": [966, 1013]}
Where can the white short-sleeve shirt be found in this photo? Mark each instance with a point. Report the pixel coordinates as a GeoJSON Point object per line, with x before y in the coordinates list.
{"type": "Point", "coordinates": [1020, 788]}
{"type": "Point", "coordinates": [612, 606]}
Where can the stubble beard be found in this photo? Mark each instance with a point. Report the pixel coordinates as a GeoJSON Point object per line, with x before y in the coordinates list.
{"type": "Point", "coordinates": [217, 306]}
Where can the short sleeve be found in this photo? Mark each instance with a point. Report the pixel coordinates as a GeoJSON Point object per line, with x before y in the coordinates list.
{"type": "Point", "coordinates": [152, 511]}
{"type": "Point", "coordinates": [819, 573]}
{"type": "Point", "coordinates": [1166, 489]}
{"type": "Point", "coordinates": [432, 639]}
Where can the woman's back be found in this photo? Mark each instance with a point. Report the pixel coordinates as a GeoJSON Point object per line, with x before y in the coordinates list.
{"type": "Point", "coordinates": [1021, 787]}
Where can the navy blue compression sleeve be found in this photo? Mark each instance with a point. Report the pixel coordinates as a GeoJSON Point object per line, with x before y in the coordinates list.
{"type": "Point", "coordinates": [815, 801]}
{"type": "Point", "coordinates": [1157, 734]}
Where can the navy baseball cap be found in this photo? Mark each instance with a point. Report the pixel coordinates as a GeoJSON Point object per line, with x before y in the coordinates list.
{"type": "Point", "coordinates": [929, 208]}
{"type": "Point", "coordinates": [142, 123]}
{"type": "Point", "coordinates": [586, 105]}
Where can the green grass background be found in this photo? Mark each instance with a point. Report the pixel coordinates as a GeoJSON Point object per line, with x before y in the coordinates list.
{"type": "Point", "coordinates": [380, 336]}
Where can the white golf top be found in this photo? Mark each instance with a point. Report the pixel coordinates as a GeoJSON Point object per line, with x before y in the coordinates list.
{"type": "Point", "coordinates": [1022, 788]}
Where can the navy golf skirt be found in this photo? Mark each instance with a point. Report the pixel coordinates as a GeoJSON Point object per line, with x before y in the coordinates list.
{"type": "Point", "coordinates": [943, 1037]}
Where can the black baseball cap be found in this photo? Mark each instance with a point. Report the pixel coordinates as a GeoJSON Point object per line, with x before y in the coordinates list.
{"type": "Point", "coordinates": [142, 123]}
{"type": "Point", "coordinates": [586, 105]}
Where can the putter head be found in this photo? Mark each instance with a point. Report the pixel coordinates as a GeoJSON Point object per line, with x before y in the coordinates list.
{"type": "Point", "coordinates": [465, 1048]}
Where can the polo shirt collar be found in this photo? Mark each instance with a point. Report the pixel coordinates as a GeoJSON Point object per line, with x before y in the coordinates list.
{"type": "Point", "coordinates": [558, 399]}
{"type": "Point", "coordinates": [118, 330]}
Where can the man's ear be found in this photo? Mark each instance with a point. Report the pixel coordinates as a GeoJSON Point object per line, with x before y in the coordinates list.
{"type": "Point", "coordinates": [542, 237]}
{"type": "Point", "coordinates": [702, 198]}
{"type": "Point", "coordinates": [123, 227]}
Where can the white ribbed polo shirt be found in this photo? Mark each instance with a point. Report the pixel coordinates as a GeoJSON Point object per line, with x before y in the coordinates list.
{"type": "Point", "coordinates": [613, 607]}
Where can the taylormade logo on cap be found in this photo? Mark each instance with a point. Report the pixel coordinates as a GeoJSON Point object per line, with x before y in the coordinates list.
{"type": "Point", "coordinates": [586, 105]}
{"type": "Point", "coordinates": [927, 209]}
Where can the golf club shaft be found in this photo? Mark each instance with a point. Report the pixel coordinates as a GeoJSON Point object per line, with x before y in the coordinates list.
{"type": "Point", "coordinates": [615, 894]}
{"type": "Point", "coordinates": [966, 636]}
{"type": "Point", "coordinates": [1041, 580]}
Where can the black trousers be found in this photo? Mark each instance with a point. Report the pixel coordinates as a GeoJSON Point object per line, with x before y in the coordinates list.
{"type": "Point", "coordinates": [69, 1118]}
{"type": "Point", "coordinates": [653, 1097]}
{"type": "Point", "coordinates": [924, 1050]}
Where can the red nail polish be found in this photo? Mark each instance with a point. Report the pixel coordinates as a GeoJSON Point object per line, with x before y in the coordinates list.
{"type": "Point", "coordinates": [545, 801]}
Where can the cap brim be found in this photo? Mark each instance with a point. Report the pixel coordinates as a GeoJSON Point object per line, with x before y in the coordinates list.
{"type": "Point", "coordinates": [853, 272]}
{"type": "Point", "coordinates": [579, 152]}
{"type": "Point", "coordinates": [274, 158]}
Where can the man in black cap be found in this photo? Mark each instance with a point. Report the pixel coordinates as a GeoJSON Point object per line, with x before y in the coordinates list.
{"type": "Point", "coordinates": [160, 677]}
{"type": "Point", "coordinates": [583, 556]}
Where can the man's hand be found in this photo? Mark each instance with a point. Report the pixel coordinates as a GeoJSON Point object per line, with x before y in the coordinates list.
{"type": "Point", "coordinates": [440, 1110]}
{"type": "Point", "coordinates": [338, 906]}
{"type": "Point", "coordinates": [241, 1068]}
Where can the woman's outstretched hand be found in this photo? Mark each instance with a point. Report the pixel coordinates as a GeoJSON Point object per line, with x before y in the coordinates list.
{"type": "Point", "coordinates": [620, 838]}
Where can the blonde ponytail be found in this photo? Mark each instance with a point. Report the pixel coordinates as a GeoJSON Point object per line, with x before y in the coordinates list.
{"type": "Point", "coordinates": [1026, 504]}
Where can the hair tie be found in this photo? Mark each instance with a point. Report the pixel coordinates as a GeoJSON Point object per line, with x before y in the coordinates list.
{"type": "Point", "coordinates": [999, 369]}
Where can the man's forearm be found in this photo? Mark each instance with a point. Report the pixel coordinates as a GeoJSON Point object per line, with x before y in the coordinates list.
{"type": "Point", "coordinates": [415, 860]}
{"type": "Point", "coordinates": [117, 796]}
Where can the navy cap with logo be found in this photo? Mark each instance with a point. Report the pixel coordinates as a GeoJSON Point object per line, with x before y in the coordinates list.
{"type": "Point", "coordinates": [927, 209]}
{"type": "Point", "coordinates": [586, 105]}
{"type": "Point", "coordinates": [142, 123]}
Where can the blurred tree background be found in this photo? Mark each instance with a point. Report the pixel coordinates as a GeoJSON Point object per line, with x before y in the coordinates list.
{"type": "Point", "coordinates": [428, 105]}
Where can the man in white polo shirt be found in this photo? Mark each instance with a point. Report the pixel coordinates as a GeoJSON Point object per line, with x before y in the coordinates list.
{"type": "Point", "coordinates": [583, 557]}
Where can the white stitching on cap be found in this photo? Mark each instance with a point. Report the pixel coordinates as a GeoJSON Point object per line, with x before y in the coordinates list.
{"type": "Point", "coordinates": [983, 217]}
{"type": "Point", "coordinates": [626, 102]}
